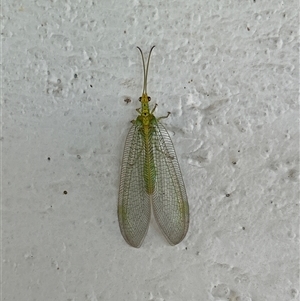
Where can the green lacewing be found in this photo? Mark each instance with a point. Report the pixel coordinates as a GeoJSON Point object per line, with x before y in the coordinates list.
{"type": "Point", "coordinates": [151, 178]}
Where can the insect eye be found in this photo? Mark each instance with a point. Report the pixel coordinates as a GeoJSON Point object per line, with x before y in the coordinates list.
{"type": "Point", "coordinates": [149, 98]}
{"type": "Point", "coordinates": [140, 98]}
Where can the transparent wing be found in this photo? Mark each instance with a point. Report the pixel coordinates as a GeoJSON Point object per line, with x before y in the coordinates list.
{"type": "Point", "coordinates": [134, 207]}
{"type": "Point", "coordinates": [170, 204]}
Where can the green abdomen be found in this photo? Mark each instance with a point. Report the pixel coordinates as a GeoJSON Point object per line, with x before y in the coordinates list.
{"type": "Point", "coordinates": [149, 166]}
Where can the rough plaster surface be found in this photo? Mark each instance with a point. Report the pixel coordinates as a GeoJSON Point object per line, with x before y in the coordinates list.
{"type": "Point", "coordinates": [227, 71]}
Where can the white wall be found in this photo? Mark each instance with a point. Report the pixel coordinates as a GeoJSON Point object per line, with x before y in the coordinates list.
{"type": "Point", "coordinates": [227, 71]}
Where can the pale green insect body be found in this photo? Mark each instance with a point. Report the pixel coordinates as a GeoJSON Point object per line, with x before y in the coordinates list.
{"type": "Point", "coordinates": [150, 176]}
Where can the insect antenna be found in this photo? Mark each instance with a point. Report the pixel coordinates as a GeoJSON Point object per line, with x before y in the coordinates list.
{"type": "Point", "coordinates": [145, 68]}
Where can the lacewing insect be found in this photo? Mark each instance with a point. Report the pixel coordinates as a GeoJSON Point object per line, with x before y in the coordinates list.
{"type": "Point", "coordinates": [151, 178]}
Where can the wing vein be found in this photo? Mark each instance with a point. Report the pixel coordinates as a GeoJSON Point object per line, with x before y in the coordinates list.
{"type": "Point", "coordinates": [134, 208]}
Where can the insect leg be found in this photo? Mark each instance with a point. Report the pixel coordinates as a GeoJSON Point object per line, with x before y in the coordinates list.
{"type": "Point", "coordinates": [159, 118]}
{"type": "Point", "coordinates": [154, 108]}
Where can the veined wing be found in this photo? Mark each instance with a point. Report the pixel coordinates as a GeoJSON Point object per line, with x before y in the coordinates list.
{"type": "Point", "coordinates": [170, 204]}
{"type": "Point", "coordinates": [134, 208]}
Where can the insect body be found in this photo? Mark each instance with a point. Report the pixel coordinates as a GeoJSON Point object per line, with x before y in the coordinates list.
{"type": "Point", "coordinates": [151, 177]}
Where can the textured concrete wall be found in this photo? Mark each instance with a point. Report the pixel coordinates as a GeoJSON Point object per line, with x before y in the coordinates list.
{"type": "Point", "coordinates": [228, 72]}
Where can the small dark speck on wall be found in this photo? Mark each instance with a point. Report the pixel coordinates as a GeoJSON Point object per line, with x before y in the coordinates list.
{"type": "Point", "coordinates": [65, 192]}
{"type": "Point", "coordinates": [227, 195]}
